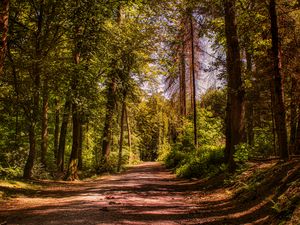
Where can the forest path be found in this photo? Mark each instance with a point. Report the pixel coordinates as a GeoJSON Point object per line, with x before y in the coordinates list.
{"type": "Point", "coordinates": [145, 194]}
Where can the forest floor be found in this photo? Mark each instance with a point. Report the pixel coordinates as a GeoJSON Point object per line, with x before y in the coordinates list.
{"type": "Point", "coordinates": [144, 194]}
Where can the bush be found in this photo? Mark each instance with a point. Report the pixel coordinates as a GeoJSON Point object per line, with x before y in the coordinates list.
{"type": "Point", "coordinates": [204, 162]}
{"type": "Point", "coordinates": [263, 145]}
{"type": "Point", "coordinates": [242, 153]}
{"type": "Point", "coordinates": [10, 172]}
{"type": "Point", "coordinates": [174, 159]}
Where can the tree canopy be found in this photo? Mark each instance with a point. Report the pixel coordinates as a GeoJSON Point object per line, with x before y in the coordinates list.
{"type": "Point", "coordinates": [90, 86]}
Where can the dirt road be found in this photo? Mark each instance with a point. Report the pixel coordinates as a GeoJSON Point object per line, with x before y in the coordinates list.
{"type": "Point", "coordinates": [145, 194]}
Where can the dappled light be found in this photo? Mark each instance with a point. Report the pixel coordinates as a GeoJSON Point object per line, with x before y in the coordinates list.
{"type": "Point", "coordinates": [149, 112]}
{"type": "Point", "coordinates": [145, 193]}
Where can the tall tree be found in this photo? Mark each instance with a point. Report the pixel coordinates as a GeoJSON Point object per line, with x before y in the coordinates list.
{"type": "Point", "coordinates": [235, 96]}
{"type": "Point", "coordinates": [182, 69]}
{"type": "Point", "coordinates": [72, 171]}
{"type": "Point", "coordinates": [35, 72]}
{"type": "Point", "coordinates": [111, 100]}
{"type": "Point", "coordinates": [278, 104]}
{"type": "Point", "coordinates": [193, 78]}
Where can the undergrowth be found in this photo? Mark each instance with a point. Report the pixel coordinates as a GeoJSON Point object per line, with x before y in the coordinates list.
{"type": "Point", "coordinates": [205, 161]}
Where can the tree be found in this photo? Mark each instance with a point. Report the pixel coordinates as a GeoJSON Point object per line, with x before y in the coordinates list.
{"type": "Point", "coordinates": [235, 95]}
{"type": "Point", "coordinates": [278, 101]}
{"type": "Point", "coordinates": [123, 110]}
{"type": "Point", "coordinates": [62, 137]}
{"type": "Point", "coordinates": [111, 101]}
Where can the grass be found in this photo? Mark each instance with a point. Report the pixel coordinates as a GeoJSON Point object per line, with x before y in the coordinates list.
{"type": "Point", "coordinates": [15, 188]}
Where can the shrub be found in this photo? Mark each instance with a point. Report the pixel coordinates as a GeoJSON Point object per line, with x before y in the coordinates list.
{"type": "Point", "coordinates": [174, 158]}
{"type": "Point", "coordinates": [205, 162]}
{"type": "Point", "coordinates": [242, 153]}
{"type": "Point", "coordinates": [10, 172]}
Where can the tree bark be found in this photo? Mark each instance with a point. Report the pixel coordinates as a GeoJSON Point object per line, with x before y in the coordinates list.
{"type": "Point", "coordinates": [32, 153]}
{"type": "Point", "coordinates": [293, 120]}
{"type": "Point", "coordinates": [120, 155]}
{"type": "Point", "coordinates": [33, 112]}
{"type": "Point", "coordinates": [279, 107]}
{"type": "Point", "coordinates": [273, 119]}
{"type": "Point", "coordinates": [72, 172]}
{"type": "Point", "coordinates": [110, 105]}
{"type": "Point", "coordinates": [194, 82]}
{"type": "Point", "coordinates": [4, 16]}
{"type": "Point", "coordinates": [80, 145]}
{"type": "Point", "coordinates": [249, 106]}
{"type": "Point", "coordinates": [182, 70]}
{"type": "Point", "coordinates": [129, 135]}
{"type": "Point", "coordinates": [56, 129]}
{"type": "Point", "coordinates": [297, 141]}
{"type": "Point", "coordinates": [63, 134]}
{"type": "Point", "coordinates": [44, 136]}
{"type": "Point", "coordinates": [110, 108]}
{"type": "Point", "coordinates": [235, 99]}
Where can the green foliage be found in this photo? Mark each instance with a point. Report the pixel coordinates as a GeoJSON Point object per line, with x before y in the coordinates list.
{"type": "Point", "coordinates": [263, 142]}
{"type": "Point", "coordinates": [174, 159]}
{"type": "Point", "coordinates": [39, 172]}
{"type": "Point", "coordinates": [152, 128]}
{"type": "Point", "coordinates": [137, 43]}
{"type": "Point", "coordinates": [242, 153]}
{"type": "Point", "coordinates": [214, 100]}
{"type": "Point", "coordinates": [10, 172]}
{"type": "Point", "coordinates": [110, 164]}
{"type": "Point", "coordinates": [205, 162]}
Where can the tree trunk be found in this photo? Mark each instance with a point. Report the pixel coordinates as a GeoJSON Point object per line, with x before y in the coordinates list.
{"type": "Point", "coordinates": [63, 134]}
{"type": "Point", "coordinates": [235, 104]}
{"type": "Point", "coordinates": [293, 121]}
{"type": "Point", "coordinates": [33, 112]}
{"type": "Point", "coordinates": [44, 137]}
{"type": "Point", "coordinates": [32, 153]}
{"type": "Point", "coordinates": [80, 145]}
{"type": "Point", "coordinates": [279, 107]}
{"type": "Point", "coordinates": [227, 156]}
{"type": "Point", "coordinates": [120, 155]}
{"type": "Point", "coordinates": [56, 129]}
{"type": "Point", "coordinates": [182, 79]}
{"type": "Point", "coordinates": [297, 141]}
{"type": "Point", "coordinates": [72, 172]}
{"type": "Point", "coordinates": [4, 16]}
{"type": "Point", "coordinates": [110, 108]}
{"type": "Point", "coordinates": [273, 119]}
{"type": "Point", "coordinates": [249, 106]}
{"type": "Point", "coordinates": [17, 91]}
{"type": "Point", "coordinates": [129, 135]}
{"type": "Point", "coordinates": [194, 83]}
